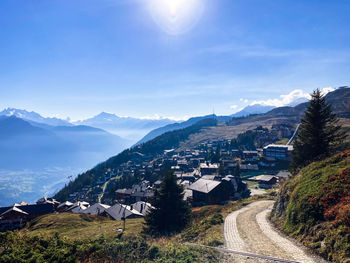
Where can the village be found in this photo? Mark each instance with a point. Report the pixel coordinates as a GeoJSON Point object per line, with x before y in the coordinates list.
{"type": "Point", "coordinates": [211, 173]}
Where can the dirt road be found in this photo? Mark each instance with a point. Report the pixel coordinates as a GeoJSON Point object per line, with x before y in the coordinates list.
{"type": "Point", "coordinates": [249, 230]}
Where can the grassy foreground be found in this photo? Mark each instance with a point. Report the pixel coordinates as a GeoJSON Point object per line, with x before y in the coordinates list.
{"type": "Point", "coordinates": [70, 237]}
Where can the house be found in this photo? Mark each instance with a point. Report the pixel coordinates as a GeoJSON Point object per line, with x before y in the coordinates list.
{"type": "Point", "coordinates": [141, 196]}
{"type": "Point", "coordinates": [248, 167]}
{"type": "Point", "coordinates": [96, 209]}
{"type": "Point", "coordinates": [141, 207]}
{"type": "Point", "coordinates": [123, 195]}
{"type": "Point", "coordinates": [283, 175]}
{"type": "Point", "coordinates": [120, 211]}
{"type": "Point", "coordinates": [209, 192]}
{"type": "Point", "coordinates": [250, 156]}
{"type": "Point", "coordinates": [64, 206]}
{"type": "Point", "coordinates": [17, 216]}
{"type": "Point", "coordinates": [78, 207]}
{"type": "Point", "coordinates": [266, 181]}
{"type": "Point", "coordinates": [267, 162]}
{"type": "Point", "coordinates": [207, 168]}
{"type": "Point", "coordinates": [46, 200]}
{"type": "Point", "coordinates": [280, 152]}
{"type": "Point", "coordinates": [157, 184]}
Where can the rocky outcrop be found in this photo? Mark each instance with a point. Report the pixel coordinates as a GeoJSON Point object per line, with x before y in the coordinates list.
{"type": "Point", "coordinates": [280, 206]}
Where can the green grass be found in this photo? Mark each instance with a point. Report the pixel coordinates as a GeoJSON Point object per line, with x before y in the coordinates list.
{"type": "Point", "coordinates": [68, 237]}
{"type": "Point", "coordinates": [318, 210]}
{"type": "Point", "coordinates": [80, 226]}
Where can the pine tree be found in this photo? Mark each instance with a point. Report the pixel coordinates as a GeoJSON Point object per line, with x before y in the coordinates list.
{"type": "Point", "coordinates": [319, 134]}
{"type": "Point", "coordinates": [171, 213]}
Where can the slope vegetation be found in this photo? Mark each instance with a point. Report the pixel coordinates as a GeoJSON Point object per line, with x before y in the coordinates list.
{"type": "Point", "coordinates": [314, 206]}
{"type": "Point", "coordinates": [151, 148]}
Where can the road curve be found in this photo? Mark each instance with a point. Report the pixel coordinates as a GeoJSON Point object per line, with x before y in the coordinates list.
{"type": "Point", "coordinates": [249, 230]}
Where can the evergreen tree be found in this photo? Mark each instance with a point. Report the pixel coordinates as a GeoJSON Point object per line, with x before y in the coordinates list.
{"type": "Point", "coordinates": [319, 134]}
{"type": "Point", "coordinates": [171, 213]}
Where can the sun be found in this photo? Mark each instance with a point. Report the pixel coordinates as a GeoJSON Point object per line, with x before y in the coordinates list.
{"type": "Point", "coordinates": [176, 16]}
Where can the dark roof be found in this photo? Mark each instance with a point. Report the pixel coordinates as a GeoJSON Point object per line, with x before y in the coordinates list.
{"type": "Point", "coordinates": [124, 191]}
{"type": "Point", "coordinates": [142, 194]}
{"type": "Point", "coordinates": [37, 209]}
{"type": "Point", "coordinates": [204, 186]}
{"type": "Point", "coordinates": [265, 178]}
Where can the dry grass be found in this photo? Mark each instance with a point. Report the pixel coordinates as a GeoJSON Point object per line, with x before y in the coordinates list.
{"type": "Point", "coordinates": [80, 226]}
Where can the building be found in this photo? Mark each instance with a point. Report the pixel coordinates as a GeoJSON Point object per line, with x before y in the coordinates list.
{"type": "Point", "coordinates": [248, 167]}
{"type": "Point", "coordinates": [96, 209]}
{"type": "Point", "coordinates": [250, 156]}
{"type": "Point", "coordinates": [120, 211]}
{"type": "Point", "coordinates": [207, 169]}
{"type": "Point", "coordinates": [278, 151]}
{"type": "Point", "coordinates": [266, 181]}
{"type": "Point", "coordinates": [209, 192]}
{"type": "Point", "coordinates": [17, 216]}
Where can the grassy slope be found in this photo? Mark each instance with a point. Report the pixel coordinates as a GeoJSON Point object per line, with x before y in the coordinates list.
{"type": "Point", "coordinates": [70, 237]}
{"type": "Point", "coordinates": [318, 210]}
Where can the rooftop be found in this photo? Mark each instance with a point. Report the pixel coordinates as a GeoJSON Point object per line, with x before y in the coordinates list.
{"type": "Point", "coordinates": [204, 186]}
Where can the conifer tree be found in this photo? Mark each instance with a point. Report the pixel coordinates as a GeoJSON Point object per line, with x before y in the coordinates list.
{"type": "Point", "coordinates": [319, 134]}
{"type": "Point", "coordinates": [170, 213]}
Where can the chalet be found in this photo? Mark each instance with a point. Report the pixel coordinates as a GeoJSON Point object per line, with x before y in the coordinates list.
{"type": "Point", "coordinates": [123, 195]}
{"type": "Point", "coordinates": [283, 175]}
{"type": "Point", "coordinates": [141, 207]}
{"type": "Point", "coordinates": [119, 212]}
{"type": "Point", "coordinates": [157, 184]}
{"type": "Point", "coordinates": [64, 206]}
{"type": "Point", "coordinates": [206, 168]}
{"type": "Point", "coordinates": [250, 156]}
{"type": "Point", "coordinates": [96, 209]}
{"type": "Point", "coordinates": [280, 152]}
{"type": "Point", "coordinates": [141, 196]}
{"type": "Point", "coordinates": [16, 216]}
{"type": "Point", "coordinates": [266, 181]}
{"type": "Point", "coordinates": [209, 192]}
{"type": "Point", "coordinates": [267, 162]}
{"type": "Point", "coordinates": [248, 167]}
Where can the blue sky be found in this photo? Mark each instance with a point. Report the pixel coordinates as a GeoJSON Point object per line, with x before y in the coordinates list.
{"type": "Point", "coordinates": [78, 58]}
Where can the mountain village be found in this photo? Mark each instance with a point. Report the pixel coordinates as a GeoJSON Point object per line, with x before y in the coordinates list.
{"type": "Point", "coordinates": [214, 172]}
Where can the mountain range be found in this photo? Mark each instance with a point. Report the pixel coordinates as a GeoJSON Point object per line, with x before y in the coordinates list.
{"type": "Point", "coordinates": [128, 127]}
{"type": "Point", "coordinates": [37, 154]}
{"type": "Point", "coordinates": [207, 128]}
{"type": "Point", "coordinates": [35, 157]}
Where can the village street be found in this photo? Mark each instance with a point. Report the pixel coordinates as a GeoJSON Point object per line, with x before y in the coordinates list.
{"type": "Point", "coordinates": [248, 230]}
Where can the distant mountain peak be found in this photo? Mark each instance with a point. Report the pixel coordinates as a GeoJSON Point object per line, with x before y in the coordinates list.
{"type": "Point", "coordinates": [33, 116]}
{"type": "Point", "coordinates": [253, 109]}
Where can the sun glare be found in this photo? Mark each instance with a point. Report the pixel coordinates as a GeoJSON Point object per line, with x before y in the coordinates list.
{"type": "Point", "coordinates": [176, 16]}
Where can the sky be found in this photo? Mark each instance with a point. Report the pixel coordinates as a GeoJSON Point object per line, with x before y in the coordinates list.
{"type": "Point", "coordinates": [170, 58]}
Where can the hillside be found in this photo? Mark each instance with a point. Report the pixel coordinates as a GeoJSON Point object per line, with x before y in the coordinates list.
{"type": "Point", "coordinates": [314, 207]}
{"type": "Point", "coordinates": [149, 149]}
{"type": "Point", "coordinates": [82, 238]}
{"type": "Point", "coordinates": [253, 116]}
{"type": "Point", "coordinates": [339, 99]}
{"type": "Point", "coordinates": [177, 126]}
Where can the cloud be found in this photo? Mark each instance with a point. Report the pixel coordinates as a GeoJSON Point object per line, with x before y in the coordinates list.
{"type": "Point", "coordinates": [324, 91]}
{"type": "Point", "coordinates": [158, 117]}
{"type": "Point", "coordinates": [243, 100]}
{"type": "Point", "coordinates": [233, 106]}
{"type": "Point", "coordinates": [288, 99]}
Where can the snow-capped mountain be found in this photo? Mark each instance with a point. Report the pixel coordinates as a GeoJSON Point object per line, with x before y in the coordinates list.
{"type": "Point", "coordinates": [33, 116]}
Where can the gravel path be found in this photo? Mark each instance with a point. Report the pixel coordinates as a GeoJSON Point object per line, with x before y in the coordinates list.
{"type": "Point", "coordinates": [249, 230]}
